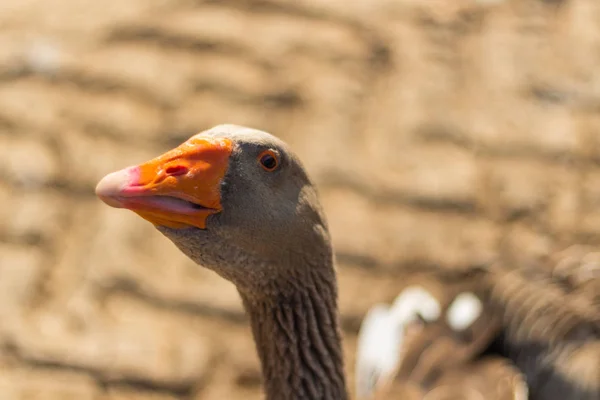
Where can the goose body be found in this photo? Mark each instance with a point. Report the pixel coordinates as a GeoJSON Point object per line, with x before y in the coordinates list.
{"type": "Point", "coordinates": [239, 202]}
{"type": "Point", "coordinates": [535, 326]}
{"type": "Point", "coordinates": [439, 357]}
{"type": "Point", "coordinates": [551, 322]}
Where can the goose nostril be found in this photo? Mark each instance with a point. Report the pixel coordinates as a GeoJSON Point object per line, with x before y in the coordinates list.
{"type": "Point", "coordinates": [176, 170]}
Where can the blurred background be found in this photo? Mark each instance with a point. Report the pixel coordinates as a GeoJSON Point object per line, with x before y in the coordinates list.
{"type": "Point", "coordinates": [442, 134]}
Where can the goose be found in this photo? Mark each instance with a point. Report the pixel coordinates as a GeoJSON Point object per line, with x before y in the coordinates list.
{"type": "Point", "coordinates": [512, 333]}
{"type": "Point", "coordinates": [239, 202]}
{"type": "Point", "coordinates": [438, 355]}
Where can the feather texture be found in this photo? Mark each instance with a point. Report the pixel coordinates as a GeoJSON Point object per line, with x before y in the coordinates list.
{"type": "Point", "coordinates": [510, 331]}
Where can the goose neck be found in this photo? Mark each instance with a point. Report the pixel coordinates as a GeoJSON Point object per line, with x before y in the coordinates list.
{"type": "Point", "coordinates": [297, 335]}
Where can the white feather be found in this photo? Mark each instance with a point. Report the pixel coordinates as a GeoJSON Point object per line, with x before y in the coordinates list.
{"type": "Point", "coordinates": [464, 310]}
{"type": "Point", "coordinates": [413, 301]}
{"type": "Point", "coordinates": [375, 356]}
{"type": "Point", "coordinates": [382, 334]}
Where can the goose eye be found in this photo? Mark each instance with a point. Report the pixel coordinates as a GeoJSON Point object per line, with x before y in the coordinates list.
{"type": "Point", "coordinates": [268, 160]}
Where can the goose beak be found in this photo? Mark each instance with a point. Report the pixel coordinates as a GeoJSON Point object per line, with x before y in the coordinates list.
{"type": "Point", "coordinates": [178, 189]}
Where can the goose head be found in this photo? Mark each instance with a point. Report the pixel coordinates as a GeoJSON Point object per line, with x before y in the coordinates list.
{"type": "Point", "coordinates": [234, 199]}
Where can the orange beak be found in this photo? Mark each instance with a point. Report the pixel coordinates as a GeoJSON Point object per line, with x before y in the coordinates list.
{"type": "Point", "coordinates": [178, 189]}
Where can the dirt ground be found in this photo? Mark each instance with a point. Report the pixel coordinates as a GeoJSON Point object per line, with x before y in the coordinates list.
{"type": "Point", "coordinates": [441, 133]}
